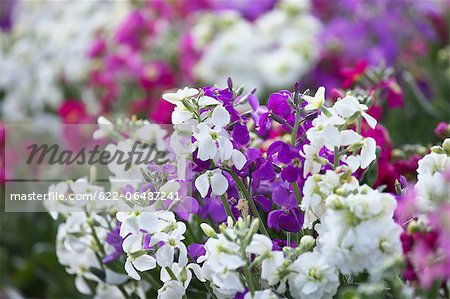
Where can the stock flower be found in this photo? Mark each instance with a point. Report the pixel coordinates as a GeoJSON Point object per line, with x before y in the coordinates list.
{"type": "Point", "coordinates": [140, 263]}
{"type": "Point", "coordinates": [313, 278]}
{"type": "Point", "coordinates": [288, 217]}
{"type": "Point", "coordinates": [310, 164]}
{"type": "Point", "coordinates": [171, 289]}
{"type": "Point", "coordinates": [105, 128]}
{"type": "Point", "coordinates": [349, 105]}
{"type": "Point", "coordinates": [214, 179]}
{"type": "Point", "coordinates": [272, 260]}
{"type": "Point", "coordinates": [317, 101]}
{"type": "Point", "coordinates": [179, 95]}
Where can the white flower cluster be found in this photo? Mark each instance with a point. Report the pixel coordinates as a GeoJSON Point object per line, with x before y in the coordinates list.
{"type": "Point", "coordinates": [316, 190]}
{"type": "Point", "coordinates": [357, 233]}
{"type": "Point", "coordinates": [48, 44]}
{"type": "Point", "coordinates": [76, 250]}
{"type": "Point", "coordinates": [433, 176]}
{"type": "Point", "coordinates": [329, 130]}
{"type": "Point", "coordinates": [156, 238]}
{"type": "Point", "coordinates": [227, 254]}
{"type": "Point", "coordinates": [206, 119]}
{"type": "Point", "coordinates": [275, 50]}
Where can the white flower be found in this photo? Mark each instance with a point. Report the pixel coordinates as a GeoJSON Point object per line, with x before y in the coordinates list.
{"type": "Point", "coordinates": [317, 188]}
{"type": "Point", "coordinates": [350, 105]}
{"type": "Point", "coordinates": [432, 190]}
{"type": "Point", "coordinates": [315, 278]}
{"type": "Point", "coordinates": [432, 163]}
{"type": "Point", "coordinates": [357, 232]}
{"type": "Point", "coordinates": [214, 179]}
{"type": "Point", "coordinates": [172, 240]}
{"type": "Point", "coordinates": [141, 263]}
{"type": "Point", "coordinates": [181, 94]}
{"type": "Point", "coordinates": [310, 165]}
{"type": "Point", "coordinates": [171, 289]}
{"type": "Point", "coordinates": [261, 245]}
{"type": "Point", "coordinates": [182, 274]}
{"type": "Point", "coordinates": [105, 128]}
{"type": "Point", "coordinates": [324, 130]}
{"type": "Point", "coordinates": [221, 260]}
{"type": "Point", "coordinates": [317, 101]}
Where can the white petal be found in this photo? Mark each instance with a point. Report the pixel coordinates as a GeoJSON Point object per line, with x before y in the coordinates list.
{"type": "Point", "coordinates": [202, 184]}
{"type": "Point", "coordinates": [370, 120]}
{"type": "Point", "coordinates": [239, 159]}
{"type": "Point", "coordinates": [332, 137]}
{"type": "Point", "coordinates": [132, 243]}
{"type": "Point", "coordinates": [353, 162]}
{"type": "Point", "coordinates": [206, 101]}
{"type": "Point", "coordinates": [147, 221]}
{"type": "Point", "coordinates": [226, 148]}
{"type": "Point", "coordinates": [82, 286]}
{"type": "Point", "coordinates": [219, 184]}
{"type": "Point", "coordinates": [349, 137]}
{"type": "Point", "coordinates": [129, 226]}
{"type": "Point", "coordinates": [197, 271]}
{"type": "Point", "coordinates": [180, 116]}
{"type": "Point", "coordinates": [131, 271]}
{"type": "Point", "coordinates": [164, 256]}
{"type": "Point", "coordinates": [144, 263]}
{"type": "Point", "coordinates": [220, 117]}
{"type": "Point", "coordinates": [182, 257]}
{"type": "Point", "coordinates": [368, 152]}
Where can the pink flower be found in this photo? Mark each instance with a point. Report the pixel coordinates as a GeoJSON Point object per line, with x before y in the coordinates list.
{"type": "Point", "coordinates": [156, 74]}
{"type": "Point", "coordinates": [72, 112]}
{"type": "Point", "coordinates": [352, 75]}
{"type": "Point", "coordinates": [442, 130]}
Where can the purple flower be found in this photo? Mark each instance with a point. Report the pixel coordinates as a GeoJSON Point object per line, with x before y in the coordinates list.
{"type": "Point", "coordinates": [113, 238]}
{"type": "Point", "coordinates": [196, 250]}
{"type": "Point", "coordinates": [285, 154]}
{"type": "Point", "coordinates": [288, 217]}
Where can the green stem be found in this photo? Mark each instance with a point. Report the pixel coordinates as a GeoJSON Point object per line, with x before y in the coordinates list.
{"type": "Point", "coordinates": [171, 274]}
{"type": "Point", "coordinates": [153, 282]}
{"type": "Point", "coordinates": [210, 290]}
{"type": "Point", "coordinates": [122, 290]}
{"type": "Point", "coordinates": [249, 279]}
{"type": "Point", "coordinates": [336, 157]}
{"type": "Point", "coordinates": [298, 197]}
{"type": "Point", "coordinates": [225, 204]}
{"type": "Point", "coordinates": [293, 141]}
{"type": "Point", "coordinates": [250, 200]}
{"type": "Point", "coordinates": [288, 239]}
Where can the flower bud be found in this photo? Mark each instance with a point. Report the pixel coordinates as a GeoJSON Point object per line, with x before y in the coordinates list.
{"type": "Point", "coordinates": [208, 230]}
{"type": "Point", "coordinates": [446, 146]}
{"type": "Point", "coordinates": [437, 150]}
{"type": "Point", "coordinates": [307, 242]}
{"type": "Point", "coordinates": [254, 226]}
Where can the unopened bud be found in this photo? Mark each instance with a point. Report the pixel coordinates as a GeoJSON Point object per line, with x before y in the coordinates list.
{"type": "Point", "coordinates": [437, 150]}
{"type": "Point", "coordinates": [254, 226]}
{"type": "Point", "coordinates": [307, 242]}
{"type": "Point", "coordinates": [446, 146]}
{"type": "Point", "coordinates": [208, 230]}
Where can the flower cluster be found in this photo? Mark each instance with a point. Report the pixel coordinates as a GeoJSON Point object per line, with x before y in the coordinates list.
{"type": "Point", "coordinates": [281, 192]}
{"type": "Point", "coordinates": [41, 54]}
{"type": "Point", "coordinates": [277, 48]}
{"type": "Point", "coordinates": [424, 209]}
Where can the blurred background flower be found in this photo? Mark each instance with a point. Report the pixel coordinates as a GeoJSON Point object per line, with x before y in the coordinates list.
{"type": "Point", "coordinates": [68, 62]}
